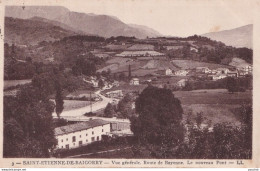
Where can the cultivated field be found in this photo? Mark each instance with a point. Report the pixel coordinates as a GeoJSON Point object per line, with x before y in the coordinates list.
{"type": "Point", "coordinates": [216, 105]}
{"type": "Point", "coordinates": [190, 64]}
{"type": "Point", "coordinates": [118, 60]}
{"type": "Point", "coordinates": [143, 72]}
{"type": "Point", "coordinates": [74, 104]}
{"type": "Point", "coordinates": [141, 47]}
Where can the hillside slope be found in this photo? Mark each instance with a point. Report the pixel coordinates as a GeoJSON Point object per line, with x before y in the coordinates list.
{"type": "Point", "coordinates": [31, 32]}
{"type": "Point", "coordinates": [238, 37]}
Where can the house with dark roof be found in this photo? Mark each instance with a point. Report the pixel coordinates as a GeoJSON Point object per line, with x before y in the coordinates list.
{"type": "Point", "coordinates": [76, 135]}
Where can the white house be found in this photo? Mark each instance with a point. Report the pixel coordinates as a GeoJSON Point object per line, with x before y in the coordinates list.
{"type": "Point", "coordinates": [193, 49]}
{"type": "Point", "coordinates": [181, 83]}
{"type": "Point", "coordinates": [181, 72]}
{"type": "Point", "coordinates": [232, 74]}
{"type": "Point", "coordinates": [76, 135]}
{"type": "Point", "coordinates": [134, 81]}
{"type": "Point", "coordinates": [222, 70]}
{"type": "Point", "coordinates": [166, 71]}
{"type": "Point", "coordinates": [246, 68]}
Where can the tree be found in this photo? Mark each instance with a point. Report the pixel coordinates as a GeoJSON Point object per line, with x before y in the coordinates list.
{"type": "Point", "coordinates": [33, 117]}
{"type": "Point", "coordinates": [159, 120]}
{"type": "Point", "coordinates": [199, 119]}
{"type": "Point", "coordinates": [129, 72]}
{"type": "Point", "coordinates": [232, 85]}
{"type": "Point", "coordinates": [230, 143]}
{"type": "Point", "coordinates": [59, 100]}
{"type": "Point", "coordinates": [101, 83]}
{"type": "Point", "coordinates": [125, 106]}
{"type": "Point", "coordinates": [109, 110]}
{"type": "Point", "coordinates": [122, 76]}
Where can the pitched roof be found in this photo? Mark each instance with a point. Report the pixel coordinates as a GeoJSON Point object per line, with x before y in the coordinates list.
{"type": "Point", "coordinates": [79, 126]}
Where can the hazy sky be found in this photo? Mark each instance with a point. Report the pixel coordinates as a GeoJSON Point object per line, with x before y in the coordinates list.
{"type": "Point", "coordinates": [171, 17]}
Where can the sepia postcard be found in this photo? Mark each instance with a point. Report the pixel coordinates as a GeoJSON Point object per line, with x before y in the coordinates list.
{"type": "Point", "coordinates": [130, 83]}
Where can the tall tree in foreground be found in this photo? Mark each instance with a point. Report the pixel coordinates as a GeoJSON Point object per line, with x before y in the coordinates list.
{"type": "Point", "coordinates": [109, 110]}
{"type": "Point", "coordinates": [28, 124]}
{"type": "Point", "coordinates": [159, 120]}
{"type": "Point", "coordinates": [59, 100]}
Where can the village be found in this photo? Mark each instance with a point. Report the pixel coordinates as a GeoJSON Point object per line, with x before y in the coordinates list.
{"type": "Point", "coordinates": [147, 81]}
{"type": "Point", "coordinates": [140, 65]}
{"type": "Point", "coordinates": [89, 129]}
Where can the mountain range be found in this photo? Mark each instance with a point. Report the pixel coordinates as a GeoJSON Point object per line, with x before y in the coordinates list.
{"type": "Point", "coordinates": [238, 37]}
{"type": "Point", "coordinates": [51, 23]}
{"type": "Point", "coordinates": [102, 25]}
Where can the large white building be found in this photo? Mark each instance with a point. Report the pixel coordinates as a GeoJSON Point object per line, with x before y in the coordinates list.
{"type": "Point", "coordinates": [76, 135]}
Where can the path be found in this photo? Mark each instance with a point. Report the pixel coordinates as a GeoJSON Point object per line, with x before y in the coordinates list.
{"type": "Point", "coordinates": [81, 111]}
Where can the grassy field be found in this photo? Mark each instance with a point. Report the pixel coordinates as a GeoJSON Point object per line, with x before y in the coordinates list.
{"type": "Point", "coordinates": [11, 83]}
{"type": "Point", "coordinates": [215, 96]}
{"type": "Point", "coordinates": [190, 64]}
{"type": "Point", "coordinates": [169, 79]}
{"type": "Point", "coordinates": [143, 72]}
{"type": "Point", "coordinates": [82, 93]}
{"type": "Point", "coordinates": [118, 60]}
{"type": "Point", "coordinates": [217, 105]}
{"type": "Point", "coordinates": [74, 104]}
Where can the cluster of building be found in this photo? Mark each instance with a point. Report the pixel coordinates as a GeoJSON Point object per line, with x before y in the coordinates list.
{"type": "Point", "coordinates": [139, 53]}
{"type": "Point", "coordinates": [214, 74]}
{"type": "Point", "coordinates": [221, 73]}
{"type": "Point", "coordinates": [93, 81]}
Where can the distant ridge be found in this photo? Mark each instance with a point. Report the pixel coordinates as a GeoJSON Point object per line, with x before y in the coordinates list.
{"type": "Point", "coordinates": [238, 37]}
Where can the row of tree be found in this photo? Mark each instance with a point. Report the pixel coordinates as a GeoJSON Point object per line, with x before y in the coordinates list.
{"type": "Point", "coordinates": [230, 83]}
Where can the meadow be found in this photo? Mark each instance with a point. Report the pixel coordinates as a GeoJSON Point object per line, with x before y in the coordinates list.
{"type": "Point", "coordinates": [74, 104]}
{"type": "Point", "coordinates": [217, 105]}
{"type": "Point", "coordinates": [190, 64]}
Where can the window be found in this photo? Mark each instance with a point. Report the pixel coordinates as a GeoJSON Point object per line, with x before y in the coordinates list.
{"type": "Point", "coordinates": [80, 143]}
{"type": "Point", "coordinates": [86, 134]}
{"type": "Point", "coordinates": [61, 146]}
{"type": "Point", "coordinates": [92, 132]}
{"type": "Point", "coordinates": [92, 138]}
{"type": "Point", "coordinates": [61, 140]}
{"type": "Point", "coordinates": [102, 130]}
{"type": "Point", "coordinates": [86, 140]}
{"type": "Point", "coordinates": [97, 138]}
{"type": "Point", "coordinates": [80, 136]}
{"type": "Point", "coordinates": [67, 139]}
{"type": "Point", "coordinates": [74, 139]}
{"type": "Point", "coordinates": [67, 146]}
